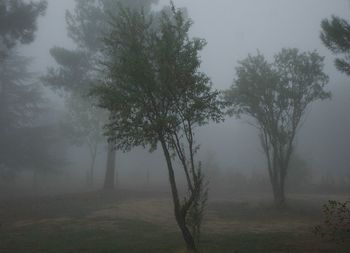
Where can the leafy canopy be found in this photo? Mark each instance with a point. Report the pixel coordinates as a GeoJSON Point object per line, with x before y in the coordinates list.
{"type": "Point", "coordinates": [154, 85]}
{"type": "Point", "coordinates": [335, 35]}
{"type": "Point", "coordinates": [89, 22]}
{"type": "Point", "coordinates": [277, 94]}
{"type": "Point", "coordinates": [18, 22]}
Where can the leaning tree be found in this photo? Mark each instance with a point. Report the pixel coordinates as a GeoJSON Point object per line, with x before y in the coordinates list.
{"type": "Point", "coordinates": [277, 96]}
{"type": "Point", "coordinates": [156, 95]}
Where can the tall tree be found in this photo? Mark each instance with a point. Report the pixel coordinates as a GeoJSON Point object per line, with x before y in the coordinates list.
{"type": "Point", "coordinates": [78, 70]}
{"type": "Point", "coordinates": [83, 126]}
{"type": "Point", "coordinates": [73, 79]}
{"type": "Point", "coordinates": [277, 96]}
{"type": "Point", "coordinates": [335, 35]}
{"type": "Point", "coordinates": [156, 95]}
{"type": "Point", "coordinates": [19, 105]}
{"type": "Point", "coordinates": [26, 142]}
{"type": "Point", "coordinates": [18, 22]}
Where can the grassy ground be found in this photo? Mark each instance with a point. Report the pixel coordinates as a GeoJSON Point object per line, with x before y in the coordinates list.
{"type": "Point", "coordinates": [94, 223]}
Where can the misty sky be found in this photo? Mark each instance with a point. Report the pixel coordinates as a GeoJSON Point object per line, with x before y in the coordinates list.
{"type": "Point", "coordinates": [233, 29]}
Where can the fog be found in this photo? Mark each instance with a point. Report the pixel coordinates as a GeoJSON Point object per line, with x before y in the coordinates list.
{"type": "Point", "coordinates": [234, 29]}
{"type": "Point", "coordinates": [231, 154]}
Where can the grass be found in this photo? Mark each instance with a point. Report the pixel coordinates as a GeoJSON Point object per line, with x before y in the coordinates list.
{"type": "Point", "coordinates": [128, 236]}
{"type": "Point", "coordinates": [264, 211]}
{"type": "Point", "coordinates": [81, 233]}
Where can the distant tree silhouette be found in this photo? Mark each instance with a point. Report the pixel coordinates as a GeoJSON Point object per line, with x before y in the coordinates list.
{"type": "Point", "coordinates": [79, 69]}
{"type": "Point", "coordinates": [277, 96]}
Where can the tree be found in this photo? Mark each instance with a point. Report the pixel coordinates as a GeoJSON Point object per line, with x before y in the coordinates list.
{"type": "Point", "coordinates": [78, 70]}
{"type": "Point", "coordinates": [335, 35]}
{"type": "Point", "coordinates": [20, 101]}
{"type": "Point", "coordinates": [156, 96]}
{"type": "Point", "coordinates": [84, 126]}
{"type": "Point", "coordinates": [18, 22]}
{"type": "Point", "coordinates": [26, 141]}
{"type": "Point", "coordinates": [277, 96]}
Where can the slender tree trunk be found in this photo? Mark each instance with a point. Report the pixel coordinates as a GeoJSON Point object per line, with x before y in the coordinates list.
{"type": "Point", "coordinates": [282, 198]}
{"type": "Point", "coordinates": [278, 192]}
{"type": "Point", "coordinates": [279, 197]}
{"type": "Point", "coordinates": [179, 214]}
{"type": "Point", "coordinates": [109, 183]}
{"type": "Point", "coordinates": [276, 173]}
{"type": "Point", "coordinates": [91, 171]}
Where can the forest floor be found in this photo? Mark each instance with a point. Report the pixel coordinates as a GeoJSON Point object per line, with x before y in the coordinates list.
{"type": "Point", "coordinates": [143, 222]}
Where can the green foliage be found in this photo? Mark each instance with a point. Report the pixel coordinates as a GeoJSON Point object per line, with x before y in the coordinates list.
{"type": "Point", "coordinates": [18, 22]}
{"type": "Point", "coordinates": [89, 22]}
{"type": "Point", "coordinates": [75, 73]}
{"type": "Point", "coordinates": [335, 35]}
{"type": "Point", "coordinates": [153, 84]}
{"type": "Point", "coordinates": [336, 225]}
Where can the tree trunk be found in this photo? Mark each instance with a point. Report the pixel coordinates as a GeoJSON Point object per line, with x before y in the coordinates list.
{"type": "Point", "coordinates": [180, 216]}
{"type": "Point", "coordinates": [90, 173]}
{"type": "Point", "coordinates": [110, 168]}
{"type": "Point", "coordinates": [278, 193]}
{"type": "Point", "coordinates": [277, 177]}
{"type": "Point", "coordinates": [186, 234]}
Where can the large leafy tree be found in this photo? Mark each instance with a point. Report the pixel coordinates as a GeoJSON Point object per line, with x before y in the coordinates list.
{"type": "Point", "coordinates": [79, 69]}
{"type": "Point", "coordinates": [18, 22]}
{"type": "Point", "coordinates": [277, 95]}
{"type": "Point", "coordinates": [335, 35]}
{"type": "Point", "coordinates": [156, 95]}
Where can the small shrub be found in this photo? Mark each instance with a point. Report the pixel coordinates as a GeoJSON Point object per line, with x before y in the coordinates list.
{"type": "Point", "coordinates": [336, 225]}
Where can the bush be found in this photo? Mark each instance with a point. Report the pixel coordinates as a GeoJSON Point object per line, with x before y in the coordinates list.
{"type": "Point", "coordinates": [336, 225]}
